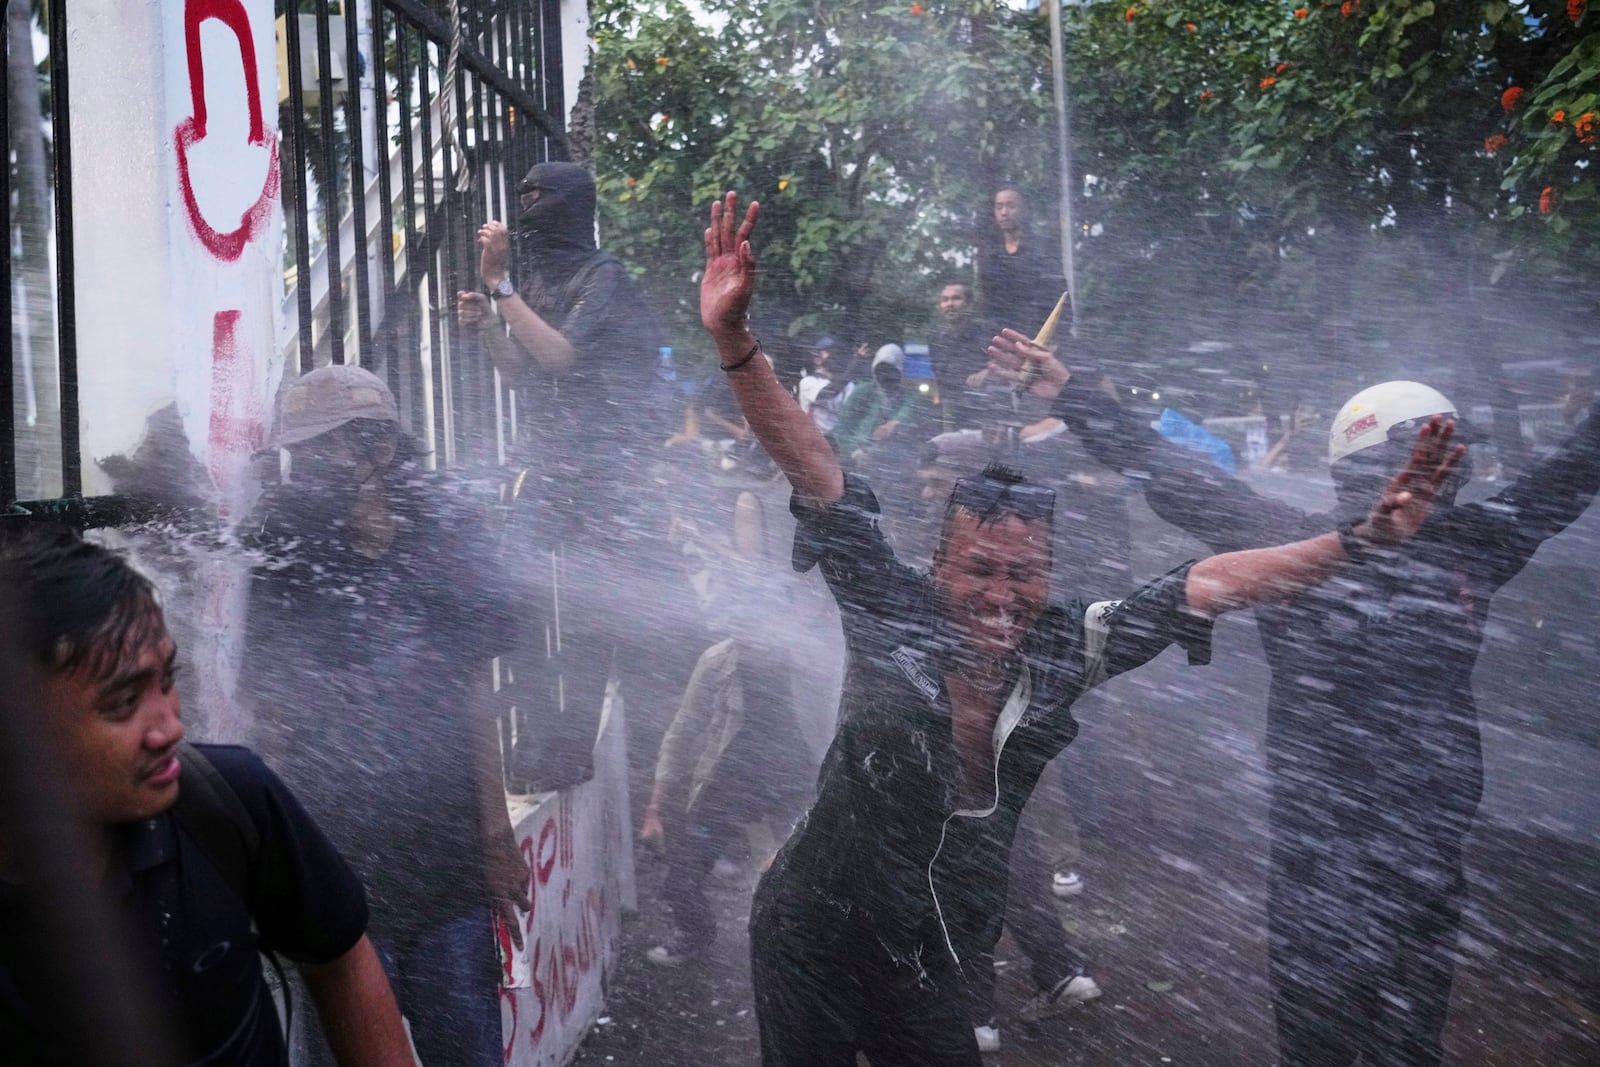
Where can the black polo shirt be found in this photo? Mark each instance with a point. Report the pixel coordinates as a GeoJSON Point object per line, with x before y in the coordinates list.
{"type": "Point", "coordinates": [195, 936]}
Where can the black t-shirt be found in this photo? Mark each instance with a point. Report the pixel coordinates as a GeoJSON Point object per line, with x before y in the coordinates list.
{"type": "Point", "coordinates": [195, 936]}
{"type": "Point", "coordinates": [360, 672]}
{"type": "Point", "coordinates": [1020, 288]}
{"type": "Point", "coordinates": [594, 425]}
{"type": "Point", "coordinates": [890, 839]}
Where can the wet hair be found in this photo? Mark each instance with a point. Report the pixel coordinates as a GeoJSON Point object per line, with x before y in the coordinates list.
{"type": "Point", "coordinates": [77, 606]}
{"type": "Point", "coordinates": [1005, 483]}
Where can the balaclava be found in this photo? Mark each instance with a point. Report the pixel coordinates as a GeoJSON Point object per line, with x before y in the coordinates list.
{"type": "Point", "coordinates": [561, 222]}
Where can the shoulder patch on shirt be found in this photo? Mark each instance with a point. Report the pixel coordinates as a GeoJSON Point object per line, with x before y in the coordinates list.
{"type": "Point", "coordinates": [906, 660]}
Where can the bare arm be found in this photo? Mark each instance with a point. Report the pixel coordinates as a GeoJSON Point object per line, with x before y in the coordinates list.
{"type": "Point", "coordinates": [787, 433]}
{"type": "Point", "coordinates": [1236, 580]}
{"type": "Point", "coordinates": [358, 1011]}
{"type": "Point", "coordinates": [528, 340]}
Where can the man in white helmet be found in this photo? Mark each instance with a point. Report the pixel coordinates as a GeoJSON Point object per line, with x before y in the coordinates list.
{"type": "Point", "coordinates": [1373, 751]}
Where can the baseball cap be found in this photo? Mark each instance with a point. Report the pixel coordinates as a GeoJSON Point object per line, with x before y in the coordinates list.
{"type": "Point", "coordinates": [327, 398]}
{"type": "Point", "coordinates": [825, 344]}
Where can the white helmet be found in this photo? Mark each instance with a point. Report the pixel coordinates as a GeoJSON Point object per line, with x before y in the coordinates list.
{"type": "Point", "coordinates": [1368, 417]}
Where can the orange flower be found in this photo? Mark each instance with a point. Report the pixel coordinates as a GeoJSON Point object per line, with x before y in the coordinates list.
{"type": "Point", "coordinates": [662, 61]}
{"type": "Point", "coordinates": [1301, 12]}
{"type": "Point", "coordinates": [1349, 7]}
{"type": "Point", "coordinates": [632, 65]}
{"type": "Point", "coordinates": [1509, 98]}
{"type": "Point", "coordinates": [1547, 200]}
{"type": "Point", "coordinates": [1267, 83]}
{"type": "Point", "coordinates": [632, 182]}
{"type": "Point", "coordinates": [1207, 95]}
{"type": "Point", "coordinates": [1189, 26]}
{"type": "Point", "coordinates": [916, 9]}
{"type": "Point", "coordinates": [1280, 68]}
{"type": "Point", "coordinates": [1128, 15]}
{"type": "Point", "coordinates": [1575, 9]}
{"type": "Point", "coordinates": [1494, 143]}
{"type": "Point", "coordinates": [1584, 125]}
{"type": "Point", "coordinates": [1557, 117]}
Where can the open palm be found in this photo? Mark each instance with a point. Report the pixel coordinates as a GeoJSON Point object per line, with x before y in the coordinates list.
{"type": "Point", "coordinates": [730, 278]}
{"type": "Point", "coordinates": [1409, 496]}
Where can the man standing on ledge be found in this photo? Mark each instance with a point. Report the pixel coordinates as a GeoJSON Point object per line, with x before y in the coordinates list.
{"type": "Point", "coordinates": [958, 691]}
{"type": "Point", "coordinates": [572, 334]}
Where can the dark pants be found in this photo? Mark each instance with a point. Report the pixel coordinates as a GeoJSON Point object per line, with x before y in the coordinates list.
{"type": "Point", "coordinates": [1032, 918]}
{"type": "Point", "coordinates": [826, 989]}
{"type": "Point", "coordinates": [692, 851]}
{"type": "Point", "coordinates": [446, 981]}
{"type": "Point", "coordinates": [1362, 943]}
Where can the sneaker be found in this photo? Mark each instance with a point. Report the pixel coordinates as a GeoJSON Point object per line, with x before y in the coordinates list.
{"type": "Point", "coordinates": [1079, 989]}
{"type": "Point", "coordinates": [988, 1037]}
{"type": "Point", "coordinates": [675, 953]}
{"type": "Point", "coordinates": [1066, 884]}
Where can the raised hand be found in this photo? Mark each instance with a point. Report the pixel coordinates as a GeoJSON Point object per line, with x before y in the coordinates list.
{"type": "Point", "coordinates": [1409, 496]}
{"type": "Point", "coordinates": [730, 278]}
{"type": "Point", "coordinates": [494, 252]}
{"type": "Point", "coordinates": [1012, 353]}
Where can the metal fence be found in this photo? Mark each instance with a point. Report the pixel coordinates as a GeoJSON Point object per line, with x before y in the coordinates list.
{"type": "Point", "coordinates": [405, 124]}
{"type": "Point", "coordinates": [384, 193]}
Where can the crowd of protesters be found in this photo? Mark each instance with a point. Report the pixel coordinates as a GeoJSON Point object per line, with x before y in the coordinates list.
{"type": "Point", "coordinates": [972, 531]}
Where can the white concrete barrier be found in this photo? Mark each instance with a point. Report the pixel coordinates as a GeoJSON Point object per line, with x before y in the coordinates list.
{"type": "Point", "coordinates": [579, 848]}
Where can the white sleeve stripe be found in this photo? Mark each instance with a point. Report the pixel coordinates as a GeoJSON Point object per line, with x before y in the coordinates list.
{"type": "Point", "coordinates": [1096, 635]}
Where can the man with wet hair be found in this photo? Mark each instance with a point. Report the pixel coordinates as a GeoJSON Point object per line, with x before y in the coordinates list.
{"type": "Point", "coordinates": [957, 693]}
{"type": "Point", "coordinates": [195, 914]}
{"type": "Point", "coordinates": [1373, 750]}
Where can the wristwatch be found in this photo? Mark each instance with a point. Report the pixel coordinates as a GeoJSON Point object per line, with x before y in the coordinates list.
{"type": "Point", "coordinates": [503, 289]}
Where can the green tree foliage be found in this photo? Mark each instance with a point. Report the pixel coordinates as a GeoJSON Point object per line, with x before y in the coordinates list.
{"type": "Point", "coordinates": [871, 134]}
{"type": "Point", "coordinates": [1279, 171]}
{"type": "Point", "coordinates": [1264, 171]}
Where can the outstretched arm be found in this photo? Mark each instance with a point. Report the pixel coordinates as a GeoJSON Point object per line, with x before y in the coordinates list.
{"type": "Point", "coordinates": [1181, 489]}
{"type": "Point", "coordinates": [787, 433]}
{"type": "Point", "coordinates": [1236, 580]}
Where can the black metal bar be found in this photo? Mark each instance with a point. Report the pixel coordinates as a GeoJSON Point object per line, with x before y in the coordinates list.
{"type": "Point", "coordinates": [551, 63]}
{"type": "Point", "coordinates": [462, 272]}
{"type": "Point", "coordinates": [380, 99]}
{"type": "Point", "coordinates": [66, 295]}
{"type": "Point", "coordinates": [330, 184]}
{"type": "Point", "coordinates": [486, 134]}
{"type": "Point", "coordinates": [436, 303]}
{"type": "Point", "coordinates": [358, 180]}
{"type": "Point", "coordinates": [409, 212]}
{"type": "Point", "coordinates": [8, 400]}
{"type": "Point", "coordinates": [439, 30]}
{"type": "Point", "coordinates": [294, 176]}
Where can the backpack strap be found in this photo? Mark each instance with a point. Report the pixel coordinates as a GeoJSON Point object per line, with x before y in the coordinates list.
{"type": "Point", "coordinates": [211, 813]}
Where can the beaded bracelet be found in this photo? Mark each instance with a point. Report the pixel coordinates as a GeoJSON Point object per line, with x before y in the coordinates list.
{"type": "Point", "coordinates": [748, 356]}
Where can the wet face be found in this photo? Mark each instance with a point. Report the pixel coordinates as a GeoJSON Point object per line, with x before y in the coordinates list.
{"type": "Point", "coordinates": [1008, 210]}
{"type": "Point", "coordinates": [993, 579]}
{"type": "Point", "coordinates": [953, 302]}
{"type": "Point", "coordinates": [117, 732]}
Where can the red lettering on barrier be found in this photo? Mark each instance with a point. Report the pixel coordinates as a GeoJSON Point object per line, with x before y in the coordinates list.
{"type": "Point", "coordinates": [238, 426]}
{"type": "Point", "coordinates": [228, 244]}
{"type": "Point", "coordinates": [547, 834]}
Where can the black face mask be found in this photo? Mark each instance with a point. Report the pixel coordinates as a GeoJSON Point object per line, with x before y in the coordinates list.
{"type": "Point", "coordinates": [562, 219]}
